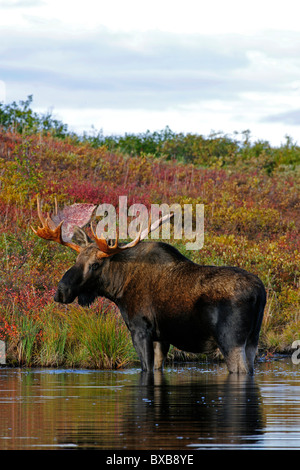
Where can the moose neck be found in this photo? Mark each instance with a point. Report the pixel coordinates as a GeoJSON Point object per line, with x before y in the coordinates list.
{"type": "Point", "coordinates": [114, 277]}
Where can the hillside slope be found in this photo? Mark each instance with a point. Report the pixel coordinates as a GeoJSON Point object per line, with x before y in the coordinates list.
{"type": "Point", "coordinates": [251, 220]}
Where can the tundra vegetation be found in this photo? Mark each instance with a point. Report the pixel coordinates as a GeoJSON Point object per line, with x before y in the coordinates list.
{"type": "Point", "coordinates": [250, 191]}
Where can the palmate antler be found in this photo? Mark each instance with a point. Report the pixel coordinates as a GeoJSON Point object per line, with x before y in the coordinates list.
{"type": "Point", "coordinates": [51, 231]}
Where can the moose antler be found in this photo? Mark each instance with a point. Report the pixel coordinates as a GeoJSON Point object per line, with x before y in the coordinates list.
{"type": "Point", "coordinates": [80, 215]}
{"type": "Point", "coordinates": [109, 250]}
{"type": "Point", "coordinates": [50, 230]}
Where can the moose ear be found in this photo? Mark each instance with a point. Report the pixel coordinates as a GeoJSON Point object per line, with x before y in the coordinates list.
{"type": "Point", "coordinates": [80, 237]}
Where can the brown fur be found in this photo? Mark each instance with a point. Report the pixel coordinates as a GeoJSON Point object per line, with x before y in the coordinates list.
{"type": "Point", "coordinates": [166, 299]}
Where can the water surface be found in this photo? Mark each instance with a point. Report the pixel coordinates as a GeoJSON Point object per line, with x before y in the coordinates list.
{"type": "Point", "coordinates": [187, 407]}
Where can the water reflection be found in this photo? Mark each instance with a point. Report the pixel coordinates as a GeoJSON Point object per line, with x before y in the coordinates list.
{"type": "Point", "coordinates": [195, 411]}
{"type": "Point", "coordinates": [188, 407]}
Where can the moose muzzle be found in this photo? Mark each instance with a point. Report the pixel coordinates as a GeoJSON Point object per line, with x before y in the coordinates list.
{"type": "Point", "coordinates": [67, 289]}
{"type": "Point", "coordinates": [64, 294]}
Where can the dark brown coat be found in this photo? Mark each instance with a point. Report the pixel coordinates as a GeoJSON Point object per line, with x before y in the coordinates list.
{"type": "Point", "coordinates": [165, 299]}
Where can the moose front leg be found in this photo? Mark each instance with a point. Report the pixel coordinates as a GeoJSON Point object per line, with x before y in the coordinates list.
{"type": "Point", "coordinates": [143, 345]}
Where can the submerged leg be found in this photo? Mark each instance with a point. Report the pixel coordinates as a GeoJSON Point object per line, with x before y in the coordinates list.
{"type": "Point", "coordinates": [144, 347]}
{"type": "Point", "coordinates": [160, 353]}
{"type": "Point", "coordinates": [236, 361]}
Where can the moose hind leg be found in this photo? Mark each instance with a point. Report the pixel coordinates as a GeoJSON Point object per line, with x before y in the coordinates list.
{"type": "Point", "coordinates": [236, 360]}
{"type": "Point", "coordinates": [160, 353]}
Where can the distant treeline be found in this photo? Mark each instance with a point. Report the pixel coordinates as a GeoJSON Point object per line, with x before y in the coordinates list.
{"type": "Point", "coordinates": [216, 150]}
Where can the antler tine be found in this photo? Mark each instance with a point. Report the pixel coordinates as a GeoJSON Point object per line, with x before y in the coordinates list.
{"type": "Point", "coordinates": [100, 242]}
{"type": "Point", "coordinates": [116, 245]}
{"type": "Point", "coordinates": [50, 231]}
{"type": "Point", "coordinates": [40, 215]}
{"type": "Point", "coordinates": [149, 223]}
{"type": "Point", "coordinates": [161, 221]}
{"type": "Point", "coordinates": [56, 206]}
{"type": "Point", "coordinates": [146, 232]}
{"type": "Point", "coordinates": [142, 234]}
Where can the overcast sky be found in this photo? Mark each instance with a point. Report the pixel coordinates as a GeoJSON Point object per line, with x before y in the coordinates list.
{"type": "Point", "coordinates": [128, 66]}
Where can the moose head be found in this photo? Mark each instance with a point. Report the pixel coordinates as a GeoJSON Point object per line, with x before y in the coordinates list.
{"type": "Point", "coordinates": [87, 277]}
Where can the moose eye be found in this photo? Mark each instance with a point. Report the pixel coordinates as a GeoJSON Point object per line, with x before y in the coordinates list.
{"type": "Point", "coordinates": [94, 266]}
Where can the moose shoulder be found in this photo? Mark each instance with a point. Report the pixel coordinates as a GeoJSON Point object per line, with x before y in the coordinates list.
{"type": "Point", "coordinates": [165, 298]}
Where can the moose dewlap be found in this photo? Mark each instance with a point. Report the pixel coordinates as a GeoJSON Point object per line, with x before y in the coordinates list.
{"type": "Point", "coordinates": [165, 298]}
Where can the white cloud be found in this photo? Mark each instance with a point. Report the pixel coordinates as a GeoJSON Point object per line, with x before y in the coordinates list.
{"type": "Point", "coordinates": [131, 66]}
{"type": "Point", "coordinates": [192, 16]}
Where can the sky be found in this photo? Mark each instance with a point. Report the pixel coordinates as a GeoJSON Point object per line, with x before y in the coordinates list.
{"type": "Point", "coordinates": [131, 66]}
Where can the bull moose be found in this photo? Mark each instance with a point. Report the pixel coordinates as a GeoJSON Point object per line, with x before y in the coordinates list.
{"type": "Point", "coordinates": [164, 297]}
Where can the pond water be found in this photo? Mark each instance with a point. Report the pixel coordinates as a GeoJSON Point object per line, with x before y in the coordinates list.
{"type": "Point", "coordinates": [187, 407]}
